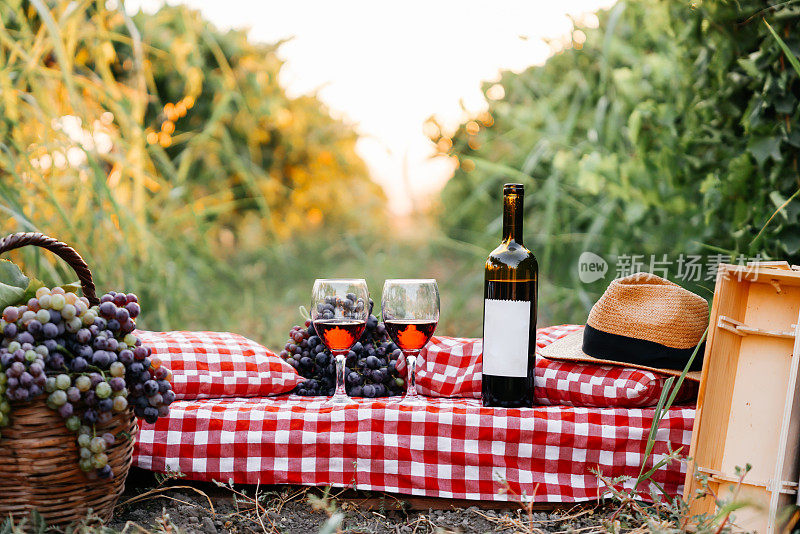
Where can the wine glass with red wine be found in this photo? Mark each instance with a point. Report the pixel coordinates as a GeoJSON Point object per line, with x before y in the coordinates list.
{"type": "Point", "coordinates": [339, 310]}
{"type": "Point", "coordinates": [410, 310]}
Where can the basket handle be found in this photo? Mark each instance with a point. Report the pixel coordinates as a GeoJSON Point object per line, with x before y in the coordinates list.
{"type": "Point", "coordinates": [62, 250]}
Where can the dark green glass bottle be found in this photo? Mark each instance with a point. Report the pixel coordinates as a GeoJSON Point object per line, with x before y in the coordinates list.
{"type": "Point", "coordinates": [509, 312]}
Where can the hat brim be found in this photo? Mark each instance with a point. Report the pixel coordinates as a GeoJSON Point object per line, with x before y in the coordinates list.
{"type": "Point", "coordinates": [570, 348]}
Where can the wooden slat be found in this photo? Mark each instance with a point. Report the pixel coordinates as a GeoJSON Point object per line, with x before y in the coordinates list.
{"type": "Point", "coordinates": [786, 449]}
{"type": "Point", "coordinates": [740, 329]}
{"type": "Point", "coordinates": [786, 485]}
{"type": "Point", "coordinates": [760, 274]}
{"type": "Point", "coordinates": [781, 264]}
{"type": "Point", "coordinates": [406, 502]}
{"type": "Point", "coordinates": [707, 448]}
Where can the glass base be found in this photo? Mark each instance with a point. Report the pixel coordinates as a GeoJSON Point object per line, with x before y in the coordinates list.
{"type": "Point", "coordinates": [409, 400]}
{"type": "Point", "coordinates": [339, 400]}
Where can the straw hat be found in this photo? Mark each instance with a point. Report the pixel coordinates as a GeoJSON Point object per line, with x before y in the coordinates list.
{"type": "Point", "coordinates": [641, 321]}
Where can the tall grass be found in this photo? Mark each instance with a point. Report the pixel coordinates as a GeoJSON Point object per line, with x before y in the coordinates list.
{"type": "Point", "coordinates": [187, 177]}
{"type": "Point", "coordinates": [74, 159]}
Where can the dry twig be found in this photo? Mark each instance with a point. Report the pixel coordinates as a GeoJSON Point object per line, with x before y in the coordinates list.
{"type": "Point", "coordinates": [154, 494]}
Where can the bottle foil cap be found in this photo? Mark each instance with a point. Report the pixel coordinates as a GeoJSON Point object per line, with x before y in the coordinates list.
{"type": "Point", "coordinates": [514, 188]}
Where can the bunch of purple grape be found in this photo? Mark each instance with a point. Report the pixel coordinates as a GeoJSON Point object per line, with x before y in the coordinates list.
{"type": "Point", "coordinates": [87, 361]}
{"type": "Point", "coordinates": [371, 363]}
{"type": "Point", "coordinates": [351, 306]}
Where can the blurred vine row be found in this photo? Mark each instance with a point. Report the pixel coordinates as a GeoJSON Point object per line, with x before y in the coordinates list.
{"type": "Point", "coordinates": [671, 128]}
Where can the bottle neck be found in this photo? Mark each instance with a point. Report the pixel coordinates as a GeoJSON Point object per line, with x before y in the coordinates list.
{"type": "Point", "coordinates": [512, 217]}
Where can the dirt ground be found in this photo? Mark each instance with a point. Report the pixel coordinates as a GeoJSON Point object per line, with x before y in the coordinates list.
{"type": "Point", "coordinates": [210, 509]}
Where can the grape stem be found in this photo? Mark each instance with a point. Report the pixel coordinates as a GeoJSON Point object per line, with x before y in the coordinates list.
{"type": "Point", "coordinates": [63, 350]}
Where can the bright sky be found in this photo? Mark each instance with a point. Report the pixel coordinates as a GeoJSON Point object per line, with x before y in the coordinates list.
{"type": "Point", "coordinates": [387, 67]}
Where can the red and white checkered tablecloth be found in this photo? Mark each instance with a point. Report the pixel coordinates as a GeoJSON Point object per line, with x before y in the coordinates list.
{"type": "Point", "coordinates": [452, 448]}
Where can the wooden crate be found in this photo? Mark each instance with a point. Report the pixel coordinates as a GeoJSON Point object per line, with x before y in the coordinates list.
{"type": "Point", "coordinates": [748, 407]}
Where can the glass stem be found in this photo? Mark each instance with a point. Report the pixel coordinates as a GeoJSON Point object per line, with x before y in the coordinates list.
{"type": "Point", "coordinates": [340, 375]}
{"type": "Point", "coordinates": [411, 363]}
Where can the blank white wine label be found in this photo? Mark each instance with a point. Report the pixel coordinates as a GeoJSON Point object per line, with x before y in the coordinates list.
{"type": "Point", "coordinates": [506, 330]}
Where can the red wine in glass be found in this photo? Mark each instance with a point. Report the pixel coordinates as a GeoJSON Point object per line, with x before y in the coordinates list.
{"type": "Point", "coordinates": [339, 312]}
{"type": "Point", "coordinates": [410, 309]}
{"type": "Point", "coordinates": [339, 334]}
{"type": "Point", "coordinates": [410, 334]}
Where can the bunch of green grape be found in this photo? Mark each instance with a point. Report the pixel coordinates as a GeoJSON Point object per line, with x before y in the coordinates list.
{"type": "Point", "coordinates": [87, 364]}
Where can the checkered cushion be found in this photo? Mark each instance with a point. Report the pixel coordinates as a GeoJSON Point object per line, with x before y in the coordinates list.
{"type": "Point", "coordinates": [574, 384]}
{"type": "Point", "coordinates": [220, 364]}
{"type": "Point", "coordinates": [451, 367]}
{"type": "Point", "coordinates": [450, 448]}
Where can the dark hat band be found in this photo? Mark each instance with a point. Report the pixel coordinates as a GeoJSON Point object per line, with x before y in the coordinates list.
{"type": "Point", "coordinates": [623, 349]}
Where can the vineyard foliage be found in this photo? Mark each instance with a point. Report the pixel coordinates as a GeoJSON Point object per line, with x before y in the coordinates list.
{"type": "Point", "coordinates": [164, 150]}
{"type": "Point", "coordinates": [672, 128]}
{"type": "Point", "coordinates": [283, 160]}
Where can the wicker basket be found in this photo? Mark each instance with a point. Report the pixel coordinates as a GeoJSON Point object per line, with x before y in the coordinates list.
{"type": "Point", "coordinates": [39, 456]}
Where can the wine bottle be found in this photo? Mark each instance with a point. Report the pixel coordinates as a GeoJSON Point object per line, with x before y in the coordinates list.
{"type": "Point", "coordinates": [509, 312]}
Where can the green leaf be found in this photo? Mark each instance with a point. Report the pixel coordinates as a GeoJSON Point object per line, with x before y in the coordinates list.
{"type": "Point", "coordinates": [794, 138]}
{"type": "Point", "coordinates": [785, 104]}
{"type": "Point", "coordinates": [790, 240]}
{"type": "Point", "coordinates": [749, 66]}
{"type": "Point", "coordinates": [764, 148]}
{"type": "Point", "coordinates": [30, 292]}
{"type": "Point", "coordinates": [11, 275]}
{"type": "Point", "coordinates": [786, 50]}
{"type": "Point", "coordinates": [12, 284]}
{"type": "Point", "coordinates": [73, 287]}
{"type": "Point", "coordinates": [38, 524]}
{"type": "Point", "coordinates": [635, 125]}
{"type": "Point", "coordinates": [773, 215]}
